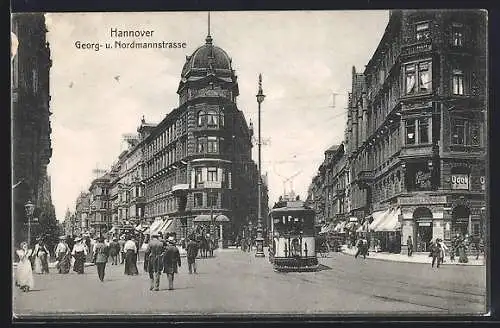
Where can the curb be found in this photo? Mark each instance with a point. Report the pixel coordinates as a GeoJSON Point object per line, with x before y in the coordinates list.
{"type": "Point", "coordinates": [412, 262]}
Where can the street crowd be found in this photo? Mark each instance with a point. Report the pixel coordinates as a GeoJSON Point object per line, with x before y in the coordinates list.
{"type": "Point", "coordinates": [161, 256]}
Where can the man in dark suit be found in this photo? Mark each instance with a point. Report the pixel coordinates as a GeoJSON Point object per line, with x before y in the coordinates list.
{"type": "Point", "coordinates": [114, 250]}
{"type": "Point", "coordinates": [171, 260]}
{"type": "Point", "coordinates": [192, 252]}
{"type": "Point", "coordinates": [153, 260]}
{"type": "Point", "coordinates": [101, 252]}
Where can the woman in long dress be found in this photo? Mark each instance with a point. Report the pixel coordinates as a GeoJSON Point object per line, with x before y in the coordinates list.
{"type": "Point", "coordinates": [37, 265]}
{"type": "Point", "coordinates": [130, 249]}
{"type": "Point", "coordinates": [24, 273]}
{"type": "Point", "coordinates": [62, 253]}
{"type": "Point", "coordinates": [79, 252]}
{"type": "Point", "coordinates": [43, 254]}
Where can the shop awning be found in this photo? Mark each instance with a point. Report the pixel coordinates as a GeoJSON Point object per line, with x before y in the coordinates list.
{"type": "Point", "coordinates": [203, 218]}
{"type": "Point", "coordinates": [167, 227]}
{"type": "Point", "coordinates": [391, 221]}
{"type": "Point", "coordinates": [221, 218]}
{"type": "Point", "coordinates": [327, 228]}
{"type": "Point", "coordinates": [378, 218]}
{"type": "Point", "coordinates": [155, 226]}
{"type": "Point", "coordinates": [363, 227]}
{"type": "Point", "coordinates": [351, 226]}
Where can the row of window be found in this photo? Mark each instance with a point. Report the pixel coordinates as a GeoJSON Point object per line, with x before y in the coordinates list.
{"type": "Point", "coordinates": [160, 207]}
{"type": "Point", "coordinates": [211, 118]}
{"type": "Point", "coordinates": [418, 79]}
{"type": "Point", "coordinates": [167, 158]}
{"type": "Point", "coordinates": [165, 183]}
{"type": "Point", "coordinates": [212, 174]}
{"type": "Point", "coordinates": [417, 131]}
{"type": "Point", "coordinates": [423, 32]}
{"type": "Point", "coordinates": [209, 144]}
{"type": "Point", "coordinates": [178, 128]}
{"type": "Point", "coordinates": [211, 199]}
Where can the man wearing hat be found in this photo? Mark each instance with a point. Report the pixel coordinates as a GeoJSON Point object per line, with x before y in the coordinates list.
{"type": "Point", "coordinates": [62, 256]}
{"type": "Point", "coordinates": [171, 260]}
{"type": "Point", "coordinates": [100, 257]}
{"type": "Point", "coordinates": [114, 250]}
{"type": "Point", "coordinates": [153, 261]}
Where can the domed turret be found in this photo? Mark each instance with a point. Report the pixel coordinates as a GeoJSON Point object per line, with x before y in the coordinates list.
{"type": "Point", "coordinates": [207, 58]}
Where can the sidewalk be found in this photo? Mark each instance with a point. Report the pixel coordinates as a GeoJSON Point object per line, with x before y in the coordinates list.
{"type": "Point", "coordinates": [415, 258]}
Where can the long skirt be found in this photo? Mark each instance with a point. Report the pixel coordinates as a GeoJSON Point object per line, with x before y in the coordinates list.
{"type": "Point", "coordinates": [38, 265]}
{"type": "Point", "coordinates": [131, 263]}
{"type": "Point", "coordinates": [79, 262]}
{"type": "Point", "coordinates": [44, 258]}
{"type": "Point", "coordinates": [24, 274]}
{"type": "Point", "coordinates": [63, 263]}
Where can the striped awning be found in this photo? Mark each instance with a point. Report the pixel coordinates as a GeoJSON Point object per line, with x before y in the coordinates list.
{"type": "Point", "coordinates": [391, 221]}
{"type": "Point", "coordinates": [221, 218]}
{"type": "Point", "coordinates": [154, 228]}
{"type": "Point", "coordinates": [167, 227]}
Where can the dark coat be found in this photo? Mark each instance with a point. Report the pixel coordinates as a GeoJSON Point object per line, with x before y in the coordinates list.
{"type": "Point", "coordinates": [101, 253]}
{"type": "Point", "coordinates": [153, 258]}
{"type": "Point", "coordinates": [114, 248]}
{"type": "Point", "coordinates": [171, 259]}
{"type": "Point", "coordinates": [435, 250]}
{"type": "Point", "coordinates": [192, 249]}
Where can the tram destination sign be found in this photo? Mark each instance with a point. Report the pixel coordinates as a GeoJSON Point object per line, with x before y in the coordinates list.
{"type": "Point", "coordinates": [418, 200]}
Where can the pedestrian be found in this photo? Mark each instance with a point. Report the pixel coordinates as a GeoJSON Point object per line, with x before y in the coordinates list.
{"type": "Point", "coordinates": [409, 244]}
{"type": "Point", "coordinates": [360, 248]}
{"type": "Point", "coordinates": [41, 257]}
{"type": "Point", "coordinates": [462, 251]}
{"type": "Point", "coordinates": [114, 250]}
{"type": "Point", "coordinates": [79, 252]}
{"type": "Point", "coordinates": [121, 242]}
{"type": "Point", "coordinates": [24, 272]}
{"type": "Point", "coordinates": [130, 249]}
{"type": "Point", "coordinates": [480, 248]}
{"type": "Point", "coordinates": [153, 261]}
{"type": "Point", "coordinates": [171, 261]}
{"type": "Point", "coordinates": [100, 258]}
{"type": "Point", "coordinates": [62, 254]}
{"type": "Point", "coordinates": [443, 250]}
{"type": "Point", "coordinates": [191, 254]}
{"type": "Point", "coordinates": [435, 253]}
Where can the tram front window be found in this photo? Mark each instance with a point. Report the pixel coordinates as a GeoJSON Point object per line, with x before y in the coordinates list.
{"type": "Point", "coordinates": [293, 225]}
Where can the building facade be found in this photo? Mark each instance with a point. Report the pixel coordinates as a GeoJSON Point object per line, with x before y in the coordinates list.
{"type": "Point", "coordinates": [197, 161]}
{"type": "Point", "coordinates": [31, 144]}
{"type": "Point", "coordinates": [416, 129]}
{"type": "Point", "coordinates": [100, 207]}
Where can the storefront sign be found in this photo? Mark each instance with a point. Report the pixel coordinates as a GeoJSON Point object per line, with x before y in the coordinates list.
{"type": "Point", "coordinates": [460, 181]}
{"type": "Point", "coordinates": [422, 200]}
{"type": "Point", "coordinates": [483, 182]}
{"type": "Point", "coordinates": [424, 224]}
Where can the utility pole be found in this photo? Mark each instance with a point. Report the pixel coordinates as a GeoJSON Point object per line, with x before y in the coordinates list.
{"type": "Point", "coordinates": [259, 241]}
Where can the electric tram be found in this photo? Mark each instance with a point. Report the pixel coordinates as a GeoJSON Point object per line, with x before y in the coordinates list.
{"type": "Point", "coordinates": [293, 237]}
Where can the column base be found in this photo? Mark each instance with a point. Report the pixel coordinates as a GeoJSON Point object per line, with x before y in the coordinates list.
{"type": "Point", "coordinates": [259, 242]}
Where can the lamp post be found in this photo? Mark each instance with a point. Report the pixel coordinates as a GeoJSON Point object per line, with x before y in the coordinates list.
{"type": "Point", "coordinates": [259, 241]}
{"type": "Point", "coordinates": [29, 208]}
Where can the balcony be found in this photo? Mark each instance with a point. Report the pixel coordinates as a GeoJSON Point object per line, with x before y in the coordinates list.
{"type": "Point", "coordinates": [416, 151]}
{"type": "Point", "coordinates": [417, 48]}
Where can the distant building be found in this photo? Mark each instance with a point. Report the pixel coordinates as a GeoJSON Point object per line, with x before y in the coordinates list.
{"type": "Point", "coordinates": [31, 144]}
{"type": "Point", "coordinates": [100, 207]}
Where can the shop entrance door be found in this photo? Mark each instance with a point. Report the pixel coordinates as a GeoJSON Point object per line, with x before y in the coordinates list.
{"type": "Point", "coordinates": [424, 236]}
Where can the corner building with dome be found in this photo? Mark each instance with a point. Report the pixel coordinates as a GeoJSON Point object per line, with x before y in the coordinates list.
{"type": "Point", "coordinates": [197, 162]}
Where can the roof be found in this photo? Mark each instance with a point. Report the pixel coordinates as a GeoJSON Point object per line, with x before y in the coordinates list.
{"type": "Point", "coordinates": [207, 57]}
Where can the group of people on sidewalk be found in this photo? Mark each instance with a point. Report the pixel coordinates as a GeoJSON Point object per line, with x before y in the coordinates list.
{"type": "Point", "coordinates": [459, 247]}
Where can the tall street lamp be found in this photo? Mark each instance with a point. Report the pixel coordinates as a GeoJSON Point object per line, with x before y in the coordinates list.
{"type": "Point", "coordinates": [29, 208]}
{"type": "Point", "coordinates": [259, 241]}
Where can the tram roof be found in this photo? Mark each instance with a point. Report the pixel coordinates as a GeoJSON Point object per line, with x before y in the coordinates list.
{"type": "Point", "coordinates": [291, 206]}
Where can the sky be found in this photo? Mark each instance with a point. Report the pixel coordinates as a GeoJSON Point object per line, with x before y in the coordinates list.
{"type": "Point", "coordinates": [304, 57]}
